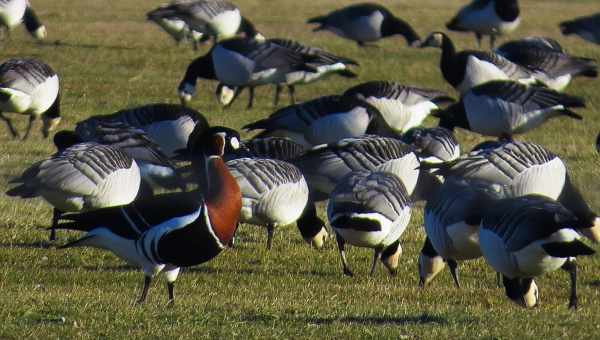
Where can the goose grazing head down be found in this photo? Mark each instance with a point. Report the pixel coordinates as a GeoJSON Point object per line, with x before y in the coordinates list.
{"type": "Point", "coordinates": [201, 67]}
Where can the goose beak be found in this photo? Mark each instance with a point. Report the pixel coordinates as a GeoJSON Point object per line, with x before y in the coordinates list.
{"type": "Point", "coordinates": [530, 298]}
{"type": "Point", "coordinates": [592, 233]}
{"type": "Point", "coordinates": [318, 241]}
{"type": "Point", "coordinates": [185, 98]}
{"type": "Point", "coordinates": [429, 267]}
{"type": "Point", "coordinates": [391, 261]}
{"type": "Point", "coordinates": [40, 33]}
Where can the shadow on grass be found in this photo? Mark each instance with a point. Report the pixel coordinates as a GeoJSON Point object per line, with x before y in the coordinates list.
{"type": "Point", "coordinates": [595, 283]}
{"type": "Point", "coordinates": [22, 245]}
{"type": "Point", "coordinates": [60, 43]}
{"type": "Point", "coordinates": [382, 320]}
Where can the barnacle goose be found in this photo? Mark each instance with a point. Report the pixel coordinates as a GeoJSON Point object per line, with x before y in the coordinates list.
{"type": "Point", "coordinates": [320, 121]}
{"type": "Point", "coordinates": [177, 28]}
{"type": "Point", "coordinates": [452, 227]}
{"type": "Point", "coordinates": [503, 108]}
{"type": "Point", "coordinates": [401, 107]}
{"type": "Point", "coordinates": [172, 230]}
{"type": "Point", "coordinates": [82, 177]}
{"type": "Point", "coordinates": [372, 210]}
{"type": "Point", "coordinates": [433, 145]}
{"type": "Point", "coordinates": [522, 168]}
{"type": "Point", "coordinates": [168, 125]}
{"type": "Point", "coordinates": [528, 236]}
{"type": "Point", "coordinates": [29, 86]}
{"type": "Point", "coordinates": [212, 18]}
{"type": "Point", "coordinates": [587, 28]}
{"type": "Point", "coordinates": [245, 63]}
{"type": "Point", "coordinates": [280, 148]}
{"type": "Point", "coordinates": [326, 64]}
{"type": "Point", "coordinates": [13, 12]}
{"type": "Point", "coordinates": [365, 23]}
{"type": "Point", "coordinates": [487, 17]}
{"type": "Point", "coordinates": [466, 69]}
{"type": "Point", "coordinates": [545, 56]}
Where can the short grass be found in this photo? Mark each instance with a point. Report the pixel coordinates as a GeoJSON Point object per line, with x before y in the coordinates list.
{"type": "Point", "coordinates": [110, 58]}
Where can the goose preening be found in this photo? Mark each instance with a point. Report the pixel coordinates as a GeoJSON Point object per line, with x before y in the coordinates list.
{"type": "Point", "coordinates": [168, 125]}
{"type": "Point", "coordinates": [30, 87]}
{"type": "Point", "coordinates": [452, 220]}
{"type": "Point", "coordinates": [401, 107]}
{"type": "Point", "coordinates": [527, 237]}
{"type": "Point", "coordinates": [320, 121]}
{"type": "Point", "coordinates": [504, 108]}
{"type": "Point", "coordinates": [466, 69]}
{"type": "Point", "coordinates": [365, 23]}
{"type": "Point", "coordinates": [245, 63]}
{"type": "Point", "coordinates": [325, 64]}
{"type": "Point", "coordinates": [521, 168]}
{"type": "Point", "coordinates": [174, 230]}
{"type": "Point", "coordinates": [200, 20]}
{"type": "Point", "coordinates": [587, 28]}
{"type": "Point", "coordinates": [487, 17]}
{"type": "Point", "coordinates": [546, 58]}
{"type": "Point", "coordinates": [82, 177]}
{"type": "Point", "coordinates": [433, 145]}
{"type": "Point", "coordinates": [13, 12]}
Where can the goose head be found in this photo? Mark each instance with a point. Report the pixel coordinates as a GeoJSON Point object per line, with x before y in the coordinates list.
{"type": "Point", "coordinates": [311, 227]}
{"type": "Point", "coordinates": [202, 67]}
{"type": "Point", "coordinates": [430, 264]}
{"type": "Point", "coordinates": [523, 292]}
{"type": "Point", "coordinates": [249, 31]}
{"type": "Point", "coordinates": [65, 139]}
{"type": "Point", "coordinates": [214, 141]}
{"type": "Point", "coordinates": [393, 25]}
{"type": "Point", "coordinates": [434, 39]}
{"type": "Point", "coordinates": [390, 257]}
{"type": "Point", "coordinates": [225, 94]}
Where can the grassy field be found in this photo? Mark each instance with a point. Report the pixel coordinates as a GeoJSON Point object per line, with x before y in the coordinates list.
{"type": "Point", "coordinates": [109, 58]}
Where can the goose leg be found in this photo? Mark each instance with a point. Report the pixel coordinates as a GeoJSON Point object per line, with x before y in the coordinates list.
{"type": "Point", "coordinates": [270, 232]}
{"type": "Point", "coordinates": [571, 267]}
{"type": "Point", "coordinates": [478, 37]}
{"type": "Point", "coordinates": [29, 126]}
{"type": "Point", "coordinates": [251, 98]}
{"type": "Point", "coordinates": [171, 273]}
{"type": "Point", "coordinates": [277, 93]}
{"type": "Point", "coordinates": [498, 279]}
{"type": "Point", "coordinates": [454, 272]}
{"type": "Point", "coordinates": [341, 243]}
{"type": "Point", "coordinates": [170, 288]}
{"type": "Point", "coordinates": [292, 92]}
{"type": "Point", "coordinates": [376, 257]}
{"type": "Point", "coordinates": [147, 281]}
{"type": "Point", "coordinates": [492, 41]}
{"type": "Point", "coordinates": [11, 128]}
{"type": "Point", "coordinates": [55, 217]}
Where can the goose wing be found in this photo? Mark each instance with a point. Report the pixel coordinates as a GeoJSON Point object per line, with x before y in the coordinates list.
{"type": "Point", "coordinates": [24, 75]}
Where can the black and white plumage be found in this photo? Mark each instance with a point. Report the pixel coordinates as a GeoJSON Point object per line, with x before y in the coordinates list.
{"type": "Point", "coordinates": [487, 17]}
{"type": "Point", "coordinates": [452, 221]}
{"type": "Point", "coordinates": [529, 236]}
{"type": "Point", "coordinates": [370, 209]}
{"type": "Point", "coordinates": [173, 230]}
{"type": "Point", "coordinates": [168, 125]}
{"type": "Point", "coordinates": [280, 148]}
{"type": "Point", "coordinates": [13, 12]}
{"type": "Point", "coordinates": [433, 145]}
{"type": "Point", "coordinates": [587, 28]}
{"type": "Point", "coordinates": [30, 87]}
{"type": "Point", "coordinates": [548, 60]}
{"type": "Point", "coordinates": [320, 121]}
{"type": "Point", "coordinates": [466, 69]}
{"type": "Point", "coordinates": [83, 177]}
{"type": "Point", "coordinates": [324, 166]}
{"type": "Point", "coordinates": [245, 63]}
{"type": "Point", "coordinates": [365, 23]}
{"type": "Point", "coordinates": [504, 108]}
{"type": "Point", "coordinates": [401, 107]}
{"type": "Point", "coordinates": [202, 19]}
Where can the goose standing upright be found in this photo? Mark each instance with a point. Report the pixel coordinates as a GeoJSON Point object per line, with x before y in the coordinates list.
{"type": "Point", "coordinates": [370, 209]}
{"type": "Point", "coordinates": [587, 28]}
{"type": "Point", "coordinates": [173, 230]}
{"type": "Point", "coordinates": [365, 23]}
{"type": "Point", "coordinates": [487, 17]}
{"type": "Point", "coordinates": [29, 86]}
{"type": "Point", "coordinates": [528, 236]}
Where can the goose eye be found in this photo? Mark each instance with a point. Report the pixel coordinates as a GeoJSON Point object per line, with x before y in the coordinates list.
{"type": "Point", "coordinates": [235, 143]}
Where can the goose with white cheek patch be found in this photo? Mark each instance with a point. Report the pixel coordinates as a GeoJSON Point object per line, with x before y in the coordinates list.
{"type": "Point", "coordinates": [402, 107]}
{"type": "Point", "coordinates": [211, 18]}
{"type": "Point", "coordinates": [504, 108]}
{"type": "Point", "coordinates": [168, 125]}
{"type": "Point", "coordinates": [452, 227]}
{"type": "Point", "coordinates": [527, 237]}
{"type": "Point", "coordinates": [587, 28]}
{"type": "Point", "coordinates": [83, 177]}
{"type": "Point", "coordinates": [321, 121]}
{"type": "Point", "coordinates": [173, 230]}
{"type": "Point", "coordinates": [13, 12]}
{"type": "Point", "coordinates": [325, 64]}
{"type": "Point", "coordinates": [372, 210]}
{"type": "Point", "coordinates": [487, 17]}
{"type": "Point", "coordinates": [365, 23]}
{"type": "Point", "coordinates": [466, 69]}
{"type": "Point", "coordinates": [546, 58]}
{"type": "Point", "coordinates": [522, 168]}
{"type": "Point", "coordinates": [29, 87]}
{"type": "Point", "coordinates": [434, 145]}
{"type": "Point", "coordinates": [242, 63]}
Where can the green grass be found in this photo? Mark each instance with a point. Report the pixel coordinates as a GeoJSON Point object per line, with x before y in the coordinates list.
{"type": "Point", "coordinates": [109, 58]}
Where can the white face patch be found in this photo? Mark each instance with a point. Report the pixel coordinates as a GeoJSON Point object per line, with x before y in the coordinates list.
{"type": "Point", "coordinates": [235, 143]}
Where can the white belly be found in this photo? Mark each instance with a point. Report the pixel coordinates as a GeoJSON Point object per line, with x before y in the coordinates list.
{"type": "Point", "coordinates": [226, 24]}
{"type": "Point", "coordinates": [478, 72]}
{"type": "Point", "coordinates": [281, 206]}
{"type": "Point", "coordinates": [334, 127]}
{"type": "Point", "coordinates": [231, 67]}
{"type": "Point", "coordinates": [12, 13]}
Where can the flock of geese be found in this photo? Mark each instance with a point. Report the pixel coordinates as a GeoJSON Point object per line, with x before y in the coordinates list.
{"type": "Point", "coordinates": [364, 152]}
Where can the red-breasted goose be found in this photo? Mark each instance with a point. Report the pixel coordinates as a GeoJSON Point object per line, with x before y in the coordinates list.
{"type": "Point", "coordinates": [544, 56]}
{"type": "Point", "coordinates": [30, 87]}
{"type": "Point", "coordinates": [466, 69]}
{"type": "Point", "coordinates": [503, 108]}
{"type": "Point", "coordinates": [487, 17]}
{"type": "Point", "coordinates": [173, 230]}
{"type": "Point", "coordinates": [82, 177]}
{"type": "Point", "coordinates": [402, 107]}
{"type": "Point", "coordinates": [527, 237]}
{"type": "Point", "coordinates": [365, 23]}
{"type": "Point", "coordinates": [372, 210]}
{"type": "Point", "coordinates": [13, 12]}
{"type": "Point", "coordinates": [587, 28]}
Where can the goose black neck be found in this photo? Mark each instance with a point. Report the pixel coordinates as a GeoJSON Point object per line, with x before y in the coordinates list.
{"type": "Point", "coordinates": [450, 70]}
{"type": "Point", "coordinates": [507, 10]}
{"type": "Point", "coordinates": [248, 28]}
{"type": "Point", "coordinates": [392, 26]}
{"type": "Point", "coordinates": [572, 199]}
{"type": "Point", "coordinates": [309, 223]}
{"type": "Point", "coordinates": [454, 116]}
{"type": "Point", "coordinates": [31, 20]}
{"type": "Point", "coordinates": [202, 67]}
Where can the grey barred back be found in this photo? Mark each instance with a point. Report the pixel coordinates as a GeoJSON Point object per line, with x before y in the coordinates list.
{"type": "Point", "coordinates": [24, 74]}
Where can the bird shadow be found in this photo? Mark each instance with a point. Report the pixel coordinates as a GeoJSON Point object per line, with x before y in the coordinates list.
{"type": "Point", "coordinates": [382, 320]}
{"type": "Point", "coordinates": [23, 245]}
{"type": "Point", "coordinates": [60, 43]}
{"type": "Point", "coordinates": [595, 283]}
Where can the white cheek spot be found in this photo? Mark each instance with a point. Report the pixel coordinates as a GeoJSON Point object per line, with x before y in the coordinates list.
{"type": "Point", "coordinates": [235, 143]}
